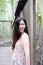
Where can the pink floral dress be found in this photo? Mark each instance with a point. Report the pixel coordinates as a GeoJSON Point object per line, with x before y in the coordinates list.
{"type": "Point", "coordinates": [19, 55]}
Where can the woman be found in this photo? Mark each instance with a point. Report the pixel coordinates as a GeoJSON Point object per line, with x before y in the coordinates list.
{"type": "Point", "coordinates": [20, 43]}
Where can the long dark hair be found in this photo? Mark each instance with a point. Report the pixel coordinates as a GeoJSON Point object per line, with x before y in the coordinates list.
{"type": "Point", "coordinates": [16, 32]}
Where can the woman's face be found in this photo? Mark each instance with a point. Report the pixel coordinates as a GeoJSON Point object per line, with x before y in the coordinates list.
{"type": "Point", "coordinates": [22, 26]}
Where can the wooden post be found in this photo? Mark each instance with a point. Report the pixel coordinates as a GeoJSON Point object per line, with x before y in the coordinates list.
{"type": "Point", "coordinates": [29, 14]}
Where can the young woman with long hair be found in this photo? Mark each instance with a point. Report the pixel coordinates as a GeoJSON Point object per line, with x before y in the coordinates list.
{"type": "Point", "coordinates": [20, 45]}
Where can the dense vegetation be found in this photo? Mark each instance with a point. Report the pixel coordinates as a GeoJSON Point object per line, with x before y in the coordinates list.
{"type": "Point", "coordinates": [7, 10]}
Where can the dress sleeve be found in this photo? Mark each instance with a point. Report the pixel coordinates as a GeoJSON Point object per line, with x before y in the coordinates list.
{"type": "Point", "coordinates": [20, 57]}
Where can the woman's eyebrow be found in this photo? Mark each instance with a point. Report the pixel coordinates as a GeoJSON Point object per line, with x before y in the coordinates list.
{"type": "Point", "coordinates": [22, 23]}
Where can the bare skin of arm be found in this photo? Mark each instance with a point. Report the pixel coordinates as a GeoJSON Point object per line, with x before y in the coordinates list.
{"type": "Point", "coordinates": [26, 47]}
{"type": "Point", "coordinates": [27, 53]}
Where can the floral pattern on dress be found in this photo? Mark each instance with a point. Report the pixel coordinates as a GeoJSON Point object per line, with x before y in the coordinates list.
{"type": "Point", "coordinates": [19, 55]}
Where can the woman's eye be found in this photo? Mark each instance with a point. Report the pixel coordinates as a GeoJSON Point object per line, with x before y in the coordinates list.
{"type": "Point", "coordinates": [22, 24]}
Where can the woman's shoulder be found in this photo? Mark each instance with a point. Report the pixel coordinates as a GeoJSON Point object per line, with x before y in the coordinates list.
{"type": "Point", "coordinates": [25, 39]}
{"type": "Point", "coordinates": [25, 36]}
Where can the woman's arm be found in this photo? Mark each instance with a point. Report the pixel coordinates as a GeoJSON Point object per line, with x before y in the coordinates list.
{"type": "Point", "coordinates": [27, 53]}
{"type": "Point", "coordinates": [27, 49]}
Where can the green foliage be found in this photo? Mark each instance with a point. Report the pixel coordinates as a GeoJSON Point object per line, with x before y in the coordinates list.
{"type": "Point", "coordinates": [38, 15]}
{"type": "Point", "coordinates": [39, 18]}
{"type": "Point", "coordinates": [7, 9]}
{"type": "Point", "coordinates": [15, 2]}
